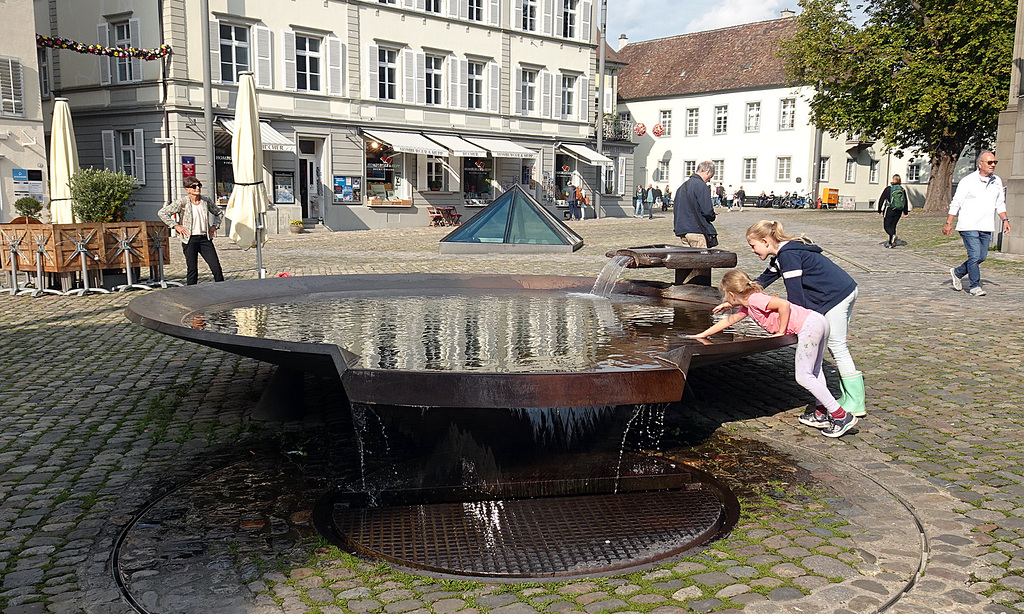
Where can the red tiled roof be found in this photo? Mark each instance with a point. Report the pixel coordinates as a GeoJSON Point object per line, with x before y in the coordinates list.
{"type": "Point", "coordinates": [738, 57]}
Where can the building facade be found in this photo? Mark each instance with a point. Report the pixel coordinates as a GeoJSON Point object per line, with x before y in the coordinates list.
{"type": "Point", "coordinates": [371, 110]}
{"type": "Point", "coordinates": [722, 95]}
{"type": "Point", "coordinates": [22, 138]}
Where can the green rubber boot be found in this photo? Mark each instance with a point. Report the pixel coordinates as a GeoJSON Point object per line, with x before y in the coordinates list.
{"type": "Point", "coordinates": [852, 399]}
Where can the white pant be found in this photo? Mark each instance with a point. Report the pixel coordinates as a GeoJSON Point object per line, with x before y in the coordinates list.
{"type": "Point", "coordinates": [807, 363]}
{"type": "Point", "coordinates": [839, 322]}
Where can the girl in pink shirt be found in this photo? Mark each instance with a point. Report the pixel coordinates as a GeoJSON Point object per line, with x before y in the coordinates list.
{"type": "Point", "coordinates": [780, 317]}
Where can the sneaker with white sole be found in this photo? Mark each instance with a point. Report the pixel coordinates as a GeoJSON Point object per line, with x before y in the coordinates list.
{"type": "Point", "coordinates": [957, 284]}
{"type": "Point", "coordinates": [814, 418]}
{"type": "Point", "coordinates": [977, 291]}
{"type": "Point", "coordinates": [837, 428]}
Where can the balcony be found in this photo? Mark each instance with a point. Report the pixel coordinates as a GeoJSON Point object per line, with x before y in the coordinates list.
{"type": "Point", "coordinates": [618, 130]}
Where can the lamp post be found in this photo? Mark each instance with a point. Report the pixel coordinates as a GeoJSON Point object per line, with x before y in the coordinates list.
{"type": "Point", "coordinates": [204, 7]}
{"type": "Point", "coordinates": [600, 107]}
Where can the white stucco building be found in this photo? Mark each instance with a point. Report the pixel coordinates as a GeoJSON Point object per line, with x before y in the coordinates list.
{"type": "Point", "coordinates": [373, 110]}
{"type": "Point", "coordinates": [723, 95]}
{"type": "Point", "coordinates": [22, 140]}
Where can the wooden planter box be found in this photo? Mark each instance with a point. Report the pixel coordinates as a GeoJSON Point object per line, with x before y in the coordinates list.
{"type": "Point", "coordinates": [101, 240]}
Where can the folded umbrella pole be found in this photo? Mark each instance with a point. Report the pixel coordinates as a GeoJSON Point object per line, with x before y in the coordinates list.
{"type": "Point", "coordinates": [248, 203]}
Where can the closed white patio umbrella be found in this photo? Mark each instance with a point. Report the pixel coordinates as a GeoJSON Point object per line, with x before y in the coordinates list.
{"type": "Point", "coordinates": [63, 163]}
{"type": "Point", "coordinates": [248, 202]}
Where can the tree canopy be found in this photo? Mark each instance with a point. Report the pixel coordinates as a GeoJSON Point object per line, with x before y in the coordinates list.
{"type": "Point", "coordinates": [919, 75]}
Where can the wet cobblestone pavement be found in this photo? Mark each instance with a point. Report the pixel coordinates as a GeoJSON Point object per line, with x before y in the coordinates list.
{"type": "Point", "coordinates": [109, 431]}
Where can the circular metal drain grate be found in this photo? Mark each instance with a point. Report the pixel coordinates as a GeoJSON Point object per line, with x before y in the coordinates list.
{"type": "Point", "coordinates": [543, 538]}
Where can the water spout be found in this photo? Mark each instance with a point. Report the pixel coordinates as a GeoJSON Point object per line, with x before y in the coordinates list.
{"type": "Point", "coordinates": [605, 283]}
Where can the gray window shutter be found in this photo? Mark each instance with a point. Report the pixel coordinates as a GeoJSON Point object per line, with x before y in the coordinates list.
{"type": "Point", "coordinates": [494, 95]}
{"type": "Point", "coordinates": [109, 162]}
{"type": "Point", "coordinates": [453, 9]}
{"type": "Point", "coordinates": [547, 11]}
{"type": "Point", "coordinates": [586, 18]}
{"type": "Point", "coordinates": [371, 72]}
{"type": "Point", "coordinates": [140, 157]}
{"type": "Point", "coordinates": [135, 39]}
{"type": "Point", "coordinates": [335, 61]}
{"type": "Point", "coordinates": [457, 91]}
{"type": "Point", "coordinates": [556, 97]}
{"type": "Point", "coordinates": [584, 97]}
{"type": "Point", "coordinates": [517, 15]}
{"type": "Point", "coordinates": [517, 94]}
{"type": "Point", "coordinates": [408, 76]}
{"type": "Point", "coordinates": [494, 13]}
{"type": "Point", "coordinates": [264, 65]}
{"type": "Point", "coordinates": [215, 75]}
{"type": "Point", "coordinates": [409, 4]}
{"type": "Point", "coordinates": [103, 38]}
{"type": "Point", "coordinates": [559, 20]}
{"type": "Point", "coordinates": [421, 78]}
{"type": "Point", "coordinates": [288, 53]}
{"type": "Point", "coordinates": [546, 85]}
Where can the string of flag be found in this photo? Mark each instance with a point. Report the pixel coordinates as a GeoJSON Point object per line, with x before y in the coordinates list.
{"type": "Point", "coordinates": [59, 42]}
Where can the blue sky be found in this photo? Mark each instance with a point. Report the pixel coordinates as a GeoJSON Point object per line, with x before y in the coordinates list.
{"type": "Point", "coordinates": [647, 19]}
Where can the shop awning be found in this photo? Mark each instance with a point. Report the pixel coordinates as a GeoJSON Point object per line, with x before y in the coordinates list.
{"type": "Point", "coordinates": [458, 146]}
{"type": "Point", "coordinates": [586, 154]}
{"type": "Point", "coordinates": [503, 148]}
{"type": "Point", "coordinates": [272, 139]}
{"type": "Point", "coordinates": [408, 142]}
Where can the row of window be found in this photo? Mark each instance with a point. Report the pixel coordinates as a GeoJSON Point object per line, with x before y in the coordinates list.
{"type": "Point", "coordinates": [787, 118]}
{"type": "Point", "coordinates": [784, 170]}
{"type": "Point", "coordinates": [565, 18]}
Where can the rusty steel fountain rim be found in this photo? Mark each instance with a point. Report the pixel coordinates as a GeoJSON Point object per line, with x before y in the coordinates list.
{"type": "Point", "coordinates": [168, 311]}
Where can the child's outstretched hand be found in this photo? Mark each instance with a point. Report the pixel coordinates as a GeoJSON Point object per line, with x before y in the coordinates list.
{"type": "Point", "coordinates": [722, 307]}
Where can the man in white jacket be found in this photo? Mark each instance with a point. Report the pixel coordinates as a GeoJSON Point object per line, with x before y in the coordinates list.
{"type": "Point", "coordinates": [977, 197]}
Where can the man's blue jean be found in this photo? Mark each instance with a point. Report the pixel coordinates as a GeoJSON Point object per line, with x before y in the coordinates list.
{"type": "Point", "coordinates": [976, 242]}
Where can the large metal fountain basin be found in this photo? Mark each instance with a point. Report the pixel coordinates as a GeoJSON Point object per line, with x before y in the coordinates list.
{"type": "Point", "coordinates": [175, 311]}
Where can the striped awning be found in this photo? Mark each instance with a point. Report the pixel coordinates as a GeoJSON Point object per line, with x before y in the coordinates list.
{"type": "Point", "coordinates": [408, 142]}
{"type": "Point", "coordinates": [272, 139]}
{"type": "Point", "coordinates": [458, 146]}
{"type": "Point", "coordinates": [586, 154]}
{"type": "Point", "coordinates": [502, 148]}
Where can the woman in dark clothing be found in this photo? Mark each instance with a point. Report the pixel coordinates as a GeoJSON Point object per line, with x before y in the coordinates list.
{"type": "Point", "coordinates": [894, 202]}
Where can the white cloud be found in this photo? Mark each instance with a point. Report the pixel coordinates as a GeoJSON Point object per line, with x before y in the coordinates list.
{"type": "Point", "coordinates": [735, 12]}
{"type": "Point", "coordinates": [646, 19]}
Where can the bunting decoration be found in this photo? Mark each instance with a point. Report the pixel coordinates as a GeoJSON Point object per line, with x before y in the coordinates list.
{"type": "Point", "coordinates": [58, 42]}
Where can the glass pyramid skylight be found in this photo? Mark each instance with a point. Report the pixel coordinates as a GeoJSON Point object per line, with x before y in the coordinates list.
{"type": "Point", "coordinates": [514, 222]}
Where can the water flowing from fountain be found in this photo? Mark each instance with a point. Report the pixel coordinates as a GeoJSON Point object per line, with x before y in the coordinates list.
{"type": "Point", "coordinates": [605, 283]}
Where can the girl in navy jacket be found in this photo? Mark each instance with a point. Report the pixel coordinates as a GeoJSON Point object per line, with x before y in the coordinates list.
{"type": "Point", "coordinates": [815, 282]}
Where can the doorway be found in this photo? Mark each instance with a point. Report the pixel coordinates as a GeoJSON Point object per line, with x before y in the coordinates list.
{"type": "Point", "coordinates": [310, 178]}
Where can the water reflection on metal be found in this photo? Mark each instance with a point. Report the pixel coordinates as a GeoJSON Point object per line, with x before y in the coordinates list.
{"type": "Point", "coordinates": [543, 528]}
{"type": "Point", "coordinates": [493, 331]}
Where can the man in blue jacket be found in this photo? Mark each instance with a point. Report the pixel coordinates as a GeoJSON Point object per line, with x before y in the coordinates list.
{"type": "Point", "coordinates": [693, 214]}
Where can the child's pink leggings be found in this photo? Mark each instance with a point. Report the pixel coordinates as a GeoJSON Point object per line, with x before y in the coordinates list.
{"type": "Point", "coordinates": [810, 349]}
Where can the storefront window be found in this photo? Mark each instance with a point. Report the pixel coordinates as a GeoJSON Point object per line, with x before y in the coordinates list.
{"type": "Point", "coordinates": [563, 175]}
{"type": "Point", "coordinates": [225, 175]}
{"type": "Point", "coordinates": [380, 170]}
{"type": "Point", "coordinates": [477, 178]}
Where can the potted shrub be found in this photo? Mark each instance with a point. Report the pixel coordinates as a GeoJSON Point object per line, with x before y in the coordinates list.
{"type": "Point", "coordinates": [102, 195]}
{"type": "Point", "coordinates": [434, 185]}
{"type": "Point", "coordinates": [26, 206]}
{"type": "Point", "coordinates": [296, 226]}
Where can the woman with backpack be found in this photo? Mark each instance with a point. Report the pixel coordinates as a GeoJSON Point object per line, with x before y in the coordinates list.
{"type": "Point", "coordinates": [894, 202]}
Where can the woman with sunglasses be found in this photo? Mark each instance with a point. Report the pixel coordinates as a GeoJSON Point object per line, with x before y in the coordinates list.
{"type": "Point", "coordinates": [195, 219]}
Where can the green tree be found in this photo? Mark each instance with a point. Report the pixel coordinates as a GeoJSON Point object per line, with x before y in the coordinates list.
{"type": "Point", "coordinates": [928, 75]}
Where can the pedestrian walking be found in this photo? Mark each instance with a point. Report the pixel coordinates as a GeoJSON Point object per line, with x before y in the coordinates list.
{"type": "Point", "coordinates": [655, 201]}
{"type": "Point", "coordinates": [666, 199]}
{"type": "Point", "coordinates": [648, 200]}
{"type": "Point", "coordinates": [893, 205]}
{"type": "Point", "coordinates": [638, 200]}
{"type": "Point", "coordinates": [741, 196]}
{"type": "Point", "coordinates": [977, 197]}
{"type": "Point", "coordinates": [571, 199]}
{"type": "Point", "coordinates": [781, 317]}
{"type": "Point", "coordinates": [815, 282]}
{"type": "Point", "coordinates": [693, 214]}
{"type": "Point", "coordinates": [195, 219]}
